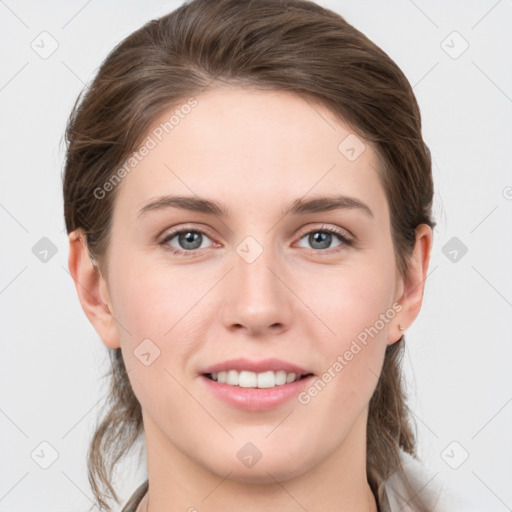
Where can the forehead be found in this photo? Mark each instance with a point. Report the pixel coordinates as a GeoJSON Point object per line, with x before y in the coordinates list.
{"type": "Point", "coordinates": [251, 146]}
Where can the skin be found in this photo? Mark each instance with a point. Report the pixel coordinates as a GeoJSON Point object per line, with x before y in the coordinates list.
{"type": "Point", "coordinates": [255, 152]}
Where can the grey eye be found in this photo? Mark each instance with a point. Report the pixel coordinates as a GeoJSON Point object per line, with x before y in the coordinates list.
{"type": "Point", "coordinates": [190, 239]}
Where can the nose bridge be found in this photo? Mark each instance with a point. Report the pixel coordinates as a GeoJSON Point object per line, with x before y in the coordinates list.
{"type": "Point", "coordinates": [257, 299]}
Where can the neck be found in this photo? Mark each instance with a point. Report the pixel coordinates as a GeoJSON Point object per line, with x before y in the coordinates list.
{"type": "Point", "coordinates": [338, 482]}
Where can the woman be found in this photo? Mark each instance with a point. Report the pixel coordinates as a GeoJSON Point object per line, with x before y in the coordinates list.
{"type": "Point", "coordinates": [248, 201]}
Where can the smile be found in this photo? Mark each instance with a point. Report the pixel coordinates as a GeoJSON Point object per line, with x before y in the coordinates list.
{"type": "Point", "coordinates": [255, 385]}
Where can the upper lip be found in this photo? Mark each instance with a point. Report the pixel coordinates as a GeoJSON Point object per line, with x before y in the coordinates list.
{"type": "Point", "coordinates": [260, 366]}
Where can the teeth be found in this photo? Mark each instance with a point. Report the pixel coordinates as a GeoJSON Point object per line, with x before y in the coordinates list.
{"type": "Point", "coordinates": [265, 379]}
{"type": "Point", "coordinates": [233, 378]}
{"type": "Point", "coordinates": [246, 379]}
{"type": "Point", "coordinates": [280, 378]}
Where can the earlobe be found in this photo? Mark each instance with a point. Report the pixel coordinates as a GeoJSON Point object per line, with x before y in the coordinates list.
{"type": "Point", "coordinates": [413, 284]}
{"type": "Point", "coordinates": [92, 289]}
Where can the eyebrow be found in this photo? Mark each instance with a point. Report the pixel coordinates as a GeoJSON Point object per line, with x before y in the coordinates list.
{"type": "Point", "coordinates": [297, 207]}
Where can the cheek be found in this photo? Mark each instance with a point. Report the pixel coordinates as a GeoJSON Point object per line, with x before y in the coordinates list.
{"type": "Point", "coordinates": [153, 301]}
{"type": "Point", "coordinates": [157, 324]}
{"type": "Point", "coordinates": [351, 300]}
{"type": "Point", "coordinates": [356, 304]}
{"type": "Point", "coordinates": [161, 313]}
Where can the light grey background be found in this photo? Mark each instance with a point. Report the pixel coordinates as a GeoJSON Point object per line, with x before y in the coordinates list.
{"type": "Point", "coordinates": [459, 357]}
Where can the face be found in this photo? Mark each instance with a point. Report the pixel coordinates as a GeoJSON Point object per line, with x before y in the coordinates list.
{"type": "Point", "coordinates": [294, 277]}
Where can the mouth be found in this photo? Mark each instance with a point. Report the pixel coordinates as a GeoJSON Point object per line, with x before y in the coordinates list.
{"type": "Point", "coordinates": [255, 385]}
{"type": "Point", "coordinates": [262, 380]}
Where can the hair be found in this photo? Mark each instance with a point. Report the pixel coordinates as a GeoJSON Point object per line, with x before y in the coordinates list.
{"type": "Point", "coordinates": [292, 46]}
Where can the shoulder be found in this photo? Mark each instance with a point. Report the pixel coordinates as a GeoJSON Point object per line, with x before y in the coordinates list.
{"type": "Point", "coordinates": [421, 490]}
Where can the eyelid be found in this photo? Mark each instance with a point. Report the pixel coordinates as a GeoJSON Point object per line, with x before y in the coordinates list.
{"type": "Point", "coordinates": [326, 227]}
{"type": "Point", "coordinates": [192, 226]}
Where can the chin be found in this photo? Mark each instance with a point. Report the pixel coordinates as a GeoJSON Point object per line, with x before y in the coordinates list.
{"type": "Point", "coordinates": [266, 469]}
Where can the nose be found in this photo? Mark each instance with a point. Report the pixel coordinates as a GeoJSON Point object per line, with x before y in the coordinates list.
{"type": "Point", "coordinates": [257, 298]}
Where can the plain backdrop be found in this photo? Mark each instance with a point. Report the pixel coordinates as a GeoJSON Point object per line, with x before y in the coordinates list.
{"type": "Point", "coordinates": [458, 362]}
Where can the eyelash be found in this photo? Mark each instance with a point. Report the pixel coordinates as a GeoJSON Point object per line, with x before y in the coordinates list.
{"type": "Point", "coordinates": [345, 241]}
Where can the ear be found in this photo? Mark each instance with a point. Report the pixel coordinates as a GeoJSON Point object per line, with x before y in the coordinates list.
{"type": "Point", "coordinates": [411, 287]}
{"type": "Point", "coordinates": [92, 290]}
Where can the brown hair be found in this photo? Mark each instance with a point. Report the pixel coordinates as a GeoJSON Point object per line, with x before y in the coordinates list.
{"type": "Point", "coordinates": [287, 45]}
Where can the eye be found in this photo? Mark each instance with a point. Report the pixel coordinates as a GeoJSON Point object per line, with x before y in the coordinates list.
{"type": "Point", "coordinates": [188, 241]}
{"type": "Point", "coordinates": [320, 239]}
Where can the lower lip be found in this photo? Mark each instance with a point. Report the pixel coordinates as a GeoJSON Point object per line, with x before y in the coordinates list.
{"type": "Point", "coordinates": [257, 399]}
